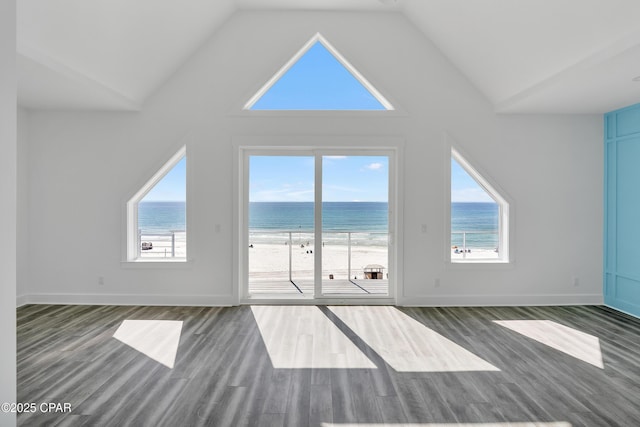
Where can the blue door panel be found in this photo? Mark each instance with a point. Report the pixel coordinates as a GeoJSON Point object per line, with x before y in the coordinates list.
{"type": "Point", "coordinates": [621, 287]}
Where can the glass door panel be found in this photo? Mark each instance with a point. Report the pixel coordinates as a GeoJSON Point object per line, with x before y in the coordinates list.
{"type": "Point", "coordinates": [281, 225]}
{"type": "Point", "coordinates": [355, 225]}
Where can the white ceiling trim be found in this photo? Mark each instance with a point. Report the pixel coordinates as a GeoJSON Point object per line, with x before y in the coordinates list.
{"type": "Point", "coordinates": [108, 54]}
{"type": "Point", "coordinates": [527, 56]}
{"type": "Point", "coordinates": [109, 94]}
{"type": "Point", "coordinates": [597, 58]}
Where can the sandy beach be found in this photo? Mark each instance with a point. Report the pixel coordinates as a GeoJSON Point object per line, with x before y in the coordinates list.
{"type": "Point", "coordinates": [474, 254]}
{"type": "Point", "coordinates": [271, 261]}
{"type": "Point", "coordinates": [162, 245]}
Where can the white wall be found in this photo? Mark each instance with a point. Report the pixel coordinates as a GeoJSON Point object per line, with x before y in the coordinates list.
{"type": "Point", "coordinates": [84, 166]}
{"type": "Point", "coordinates": [22, 229]}
{"type": "Point", "coordinates": [8, 206]}
{"type": "Point", "coordinates": [551, 167]}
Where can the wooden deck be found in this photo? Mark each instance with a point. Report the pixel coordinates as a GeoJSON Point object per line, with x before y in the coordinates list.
{"type": "Point", "coordinates": [330, 287]}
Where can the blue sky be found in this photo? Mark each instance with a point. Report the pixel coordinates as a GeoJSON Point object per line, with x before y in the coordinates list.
{"type": "Point", "coordinates": [345, 179]}
{"type": "Point", "coordinates": [317, 81]}
{"type": "Point", "coordinates": [171, 188]}
{"type": "Point", "coordinates": [464, 188]}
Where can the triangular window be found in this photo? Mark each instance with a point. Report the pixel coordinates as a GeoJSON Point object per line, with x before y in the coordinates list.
{"type": "Point", "coordinates": [156, 215]}
{"type": "Point", "coordinates": [318, 78]}
{"type": "Point", "coordinates": [479, 216]}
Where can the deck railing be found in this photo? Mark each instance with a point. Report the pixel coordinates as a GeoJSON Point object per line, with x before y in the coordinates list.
{"type": "Point", "coordinates": [306, 239]}
{"type": "Point", "coordinates": [162, 244]}
{"type": "Point", "coordinates": [472, 242]}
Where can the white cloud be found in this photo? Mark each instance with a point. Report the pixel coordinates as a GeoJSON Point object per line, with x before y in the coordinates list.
{"type": "Point", "coordinates": [288, 194]}
{"type": "Point", "coordinates": [375, 166]}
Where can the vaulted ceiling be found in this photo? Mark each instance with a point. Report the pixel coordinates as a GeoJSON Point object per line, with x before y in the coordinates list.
{"type": "Point", "coordinates": [526, 56]}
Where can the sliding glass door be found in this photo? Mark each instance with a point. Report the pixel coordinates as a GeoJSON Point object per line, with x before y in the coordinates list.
{"type": "Point", "coordinates": [318, 224]}
{"type": "Point", "coordinates": [355, 225]}
{"type": "Point", "coordinates": [281, 224]}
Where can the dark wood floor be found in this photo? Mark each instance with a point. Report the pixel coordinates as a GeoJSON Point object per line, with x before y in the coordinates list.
{"type": "Point", "coordinates": [325, 366]}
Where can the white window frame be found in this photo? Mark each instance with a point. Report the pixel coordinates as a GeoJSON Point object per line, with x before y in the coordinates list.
{"type": "Point", "coordinates": [318, 38]}
{"type": "Point", "coordinates": [133, 250]}
{"type": "Point", "coordinates": [504, 209]}
{"type": "Point", "coordinates": [246, 146]}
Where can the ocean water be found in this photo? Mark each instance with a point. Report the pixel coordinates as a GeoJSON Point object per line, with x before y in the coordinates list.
{"type": "Point", "coordinates": [481, 219]}
{"type": "Point", "coordinates": [270, 222]}
{"type": "Point", "coordinates": [336, 216]}
{"type": "Point", "coordinates": [162, 217]}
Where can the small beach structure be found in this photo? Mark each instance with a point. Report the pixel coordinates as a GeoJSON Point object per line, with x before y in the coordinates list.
{"type": "Point", "coordinates": [373, 271]}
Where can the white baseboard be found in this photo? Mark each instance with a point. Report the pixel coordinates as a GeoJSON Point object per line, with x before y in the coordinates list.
{"type": "Point", "coordinates": [499, 300]}
{"type": "Point", "coordinates": [22, 300]}
{"type": "Point", "coordinates": [123, 299]}
{"type": "Point", "coordinates": [229, 300]}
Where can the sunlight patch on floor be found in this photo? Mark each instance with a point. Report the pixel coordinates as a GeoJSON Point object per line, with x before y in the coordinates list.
{"type": "Point", "coordinates": [570, 341]}
{"type": "Point", "coordinates": [518, 424]}
{"type": "Point", "coordinates": [406, 344]}
{"type": "Point", "coordinates": [298, 337]}
{"type": "Point", "coordinates": [157, 339]}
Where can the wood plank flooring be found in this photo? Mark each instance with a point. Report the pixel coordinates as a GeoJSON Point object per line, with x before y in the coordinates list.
{"type": "Point", "coordinates": [334, 366]}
